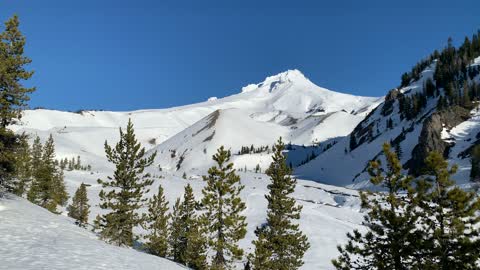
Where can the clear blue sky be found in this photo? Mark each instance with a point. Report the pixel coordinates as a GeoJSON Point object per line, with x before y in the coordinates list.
{"type": "Point", "coordinates": [124, 55]}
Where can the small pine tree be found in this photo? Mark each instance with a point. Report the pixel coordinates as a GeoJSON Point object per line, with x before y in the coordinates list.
{"type": "Point", "coordinates": [48, 187]}
{"type": "Point", "coordinates": [280, 243]}
{"type": "Point", "coordinates": [391, 240]}
{"type": "Point", "coordinates": [23, 172]}
{"type": "Point", "coordinates": [187, 240]}
{"type": "Point", "coordinates": [126, 189]}
{"type": "Point", "coordinates": [222, 218]}
{"type": "Point", "coordinates": [175, 232]}
{"type": "Point", "coordinates": [79, 209]}
{"type": "Point", "coordinates": [157, 224]}
{"type": "Point", "coordinates": [449, 218]}
{"type": "Point", "coordinates": [475, 162]}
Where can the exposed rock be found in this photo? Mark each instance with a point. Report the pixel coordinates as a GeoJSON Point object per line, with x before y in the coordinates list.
{"type": "Point", "coordinates": [431, 139]}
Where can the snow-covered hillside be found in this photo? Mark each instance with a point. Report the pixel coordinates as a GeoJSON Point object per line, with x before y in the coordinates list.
{"type": "Point", "coordinates": [329, 212]}
{"type": "Point", "coordinates": [287, 105]}
{"type": "Point", "coordinates": [33, 238]}
{"type": "Point", "coordinates": [346, 162]}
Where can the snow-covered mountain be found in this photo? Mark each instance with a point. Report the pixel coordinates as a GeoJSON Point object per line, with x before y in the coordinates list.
{"type": "Point", "coordinates": [287, 105]}
{"type": "Point", "coordinates": [452, 131]}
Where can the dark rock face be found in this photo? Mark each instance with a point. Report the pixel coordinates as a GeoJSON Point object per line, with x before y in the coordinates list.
{"type": "Point", "coordinates": [430, 136]}
{"type": "Point", "coordinates": [387, 108]}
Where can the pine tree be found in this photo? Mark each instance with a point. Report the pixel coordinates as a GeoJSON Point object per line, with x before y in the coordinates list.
{"type": "Point", "coordinates": [187, 240]}
{"type": "Point", "coordinates": [13, 95]}
{"type": "Point", "coordinates": [175, 232]}
{"type": "Point", "coordinates": [23, 172]}
{"type": "Point", "coordinates": [280, 244]}
{"type": "Point", "coordinates": [449, 218]}
{"type": "Point", "coordinates": [391, 238]}
{"type": "Point", "coordinates": [79, 209]}
{"type": "Point", "coordinates": [48, 188]}
{"type": "Point", "coordinates": [475, 162]}
{"type": "Point", "coordinates": [157, 224]}
{"type": "Point", "coordinates": [125, 189]}
{"type": "Point", "coordinates": [222, 218]}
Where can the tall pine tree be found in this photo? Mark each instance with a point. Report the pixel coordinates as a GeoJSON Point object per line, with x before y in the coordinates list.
{"type": "Point", "coordinates": [391, 238]}
{"type": "Point", "coordinates": [13, 96]}
{"type": "Point", "coordinates": [79, 209]}
{"type": "Point", "coordinates": [280, 244]}
{"type": "Point", "coordinates": [123, 193]}
{"type": "Point", "coordinates": [23, 172]}
{"type": "Point", "coordinates": [223, 219]}
{"type": "Point", "coordinates": [157, 224]}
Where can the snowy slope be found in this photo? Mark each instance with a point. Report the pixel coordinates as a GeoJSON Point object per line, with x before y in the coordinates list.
{"type": "Point", "coordinates": [329, 212]}
{"type": "Point", "coordinates": [33, 238]}
{"type": "Point", "coordinates": [287, 105]}
{"type": "Point", "coordinates": [344, 166]}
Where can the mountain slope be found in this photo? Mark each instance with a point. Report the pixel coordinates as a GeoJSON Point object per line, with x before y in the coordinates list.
{"type": "Point", "coordinates": [450, 130]}
{"type": "Point", "coordinates": [287, 105]}
{"type": "Point", "coordinates": [33, 238]}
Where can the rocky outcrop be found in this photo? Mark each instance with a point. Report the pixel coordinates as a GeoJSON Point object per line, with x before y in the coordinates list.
{"type": "Point", "coordinates": [431, 139]}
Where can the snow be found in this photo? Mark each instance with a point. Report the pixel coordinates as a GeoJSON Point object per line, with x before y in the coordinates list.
{"type": "Point", "coordinates": [329, 212]}
{"type": "Point", "coordinates": [287, 105]}
{"type": "Point", "coordinates": [33, 238]}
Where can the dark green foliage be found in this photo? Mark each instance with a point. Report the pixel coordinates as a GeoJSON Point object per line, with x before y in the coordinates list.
{"type": "Point", "coordinates": [449, 219]}
{"type": "Point", "coordinates": [187, 239]}
{"type": "Point", "coordinates": [475, 161]}
{"type": "Point", "coordinates": [390, 242]}
{"type": "Point", "coordinates": [79, 209]}
{"type": "Point", "coordinates": [23, 172]}
{"type": "Point", "coordinates": [430, 88]}
{"type": "Point", "coordinates": [222, 218]}
{"type": "Point", "coordinates": [157, 225]}
{"type": "Point", "coordinates": [48, 187]}
{"type": "Point", "coordinates": [123, 193]}
{"type": "Point", "coordinates": [13, 95]}
{"type": "Point", "coordinates": [280, 244]}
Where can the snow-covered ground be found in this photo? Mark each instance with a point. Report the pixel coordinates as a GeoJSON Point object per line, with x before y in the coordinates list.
{"type": "Point", "coordinates": [34, 239]}
{"type": "Point", "coordinates": [329, 212]}
{"type": "Point", "coordinates": [185, 138]}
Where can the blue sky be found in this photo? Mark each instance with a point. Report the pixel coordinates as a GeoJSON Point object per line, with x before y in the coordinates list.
{"type": "Point", "coordinates": [124, 55]}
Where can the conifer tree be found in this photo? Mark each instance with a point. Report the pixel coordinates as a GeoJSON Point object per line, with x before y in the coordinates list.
{"type": "Point", "coordinates": [23, 173]}
{"type": "Point", "coordinates": [79, 209]}
{"type": "Point", "coordinates": [391, 240]}
{"type": "Point", "coordinates": [187, 239]}
{"type": "Point", "coordinates": [222, 219]}
{"type": "Point", "coordinates": [280, 243]}
{"type": "Point", "coordinates": [122, 193]}
{"type": "Point", "coordinates": [157, 224]}
{"type": "Point", "coordinates": [450, 219]}
{"type": "Point", "coordinates": [175, 233]}
{"type": "Point", "coordinates": [48, 188]}
{"type": "Point", "coordinates": [475, 162]}
{"type": "Point", "coordinates": [13, 94]}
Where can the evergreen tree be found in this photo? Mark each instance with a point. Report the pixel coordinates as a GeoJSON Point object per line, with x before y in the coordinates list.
{"type": "Point", "coordinates": [187, 240]}
{"type": "Point", "coordinates": [48, 187]}
{"type": "Point", "coordinates": [391, 240]}
{"type": "Point", "coordinates": [450, 219]}
{"type": "Point", "coordinates": [79, 209]}
{"type": "Point", "coordinates": [125, 189]}
{"type": "Point", "coordinates": [222, 218]}
{"type": "Point", "coordinates": [23, 173]}
{"type": "Point", "coordinates": [13, 95]}
{"type": "Point", "coordinates": [475, 161]}
{"type": "Point", "coordinates": [157, 224]}
{"type": "Point", "coordinates": [280, 244]}
{"type": "Point", "coordinates": [175, 233]}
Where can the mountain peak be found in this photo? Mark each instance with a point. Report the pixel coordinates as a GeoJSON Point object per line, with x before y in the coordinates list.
{"type": "Point", "coordinates": [291, 75]}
